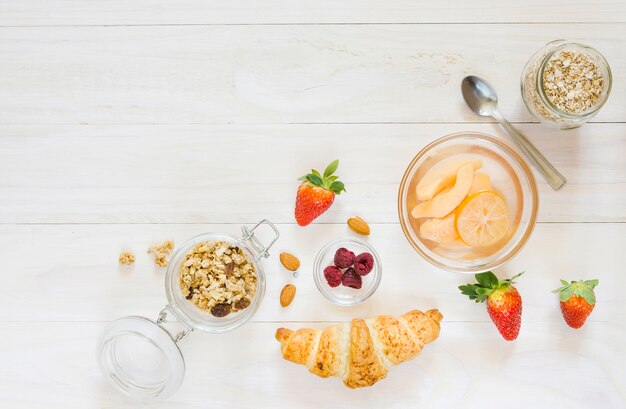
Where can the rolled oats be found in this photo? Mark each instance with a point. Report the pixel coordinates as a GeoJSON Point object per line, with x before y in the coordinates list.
{"type": "Point", "coordinates": [572, 81]}
{"type": "Point", "coordinates": [217, 276]}
{"type": "Point", "coordinates": [565, 83]}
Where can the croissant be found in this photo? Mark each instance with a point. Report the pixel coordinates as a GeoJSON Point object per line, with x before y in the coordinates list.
{"type": "Point", "coordinates": [360, 352]}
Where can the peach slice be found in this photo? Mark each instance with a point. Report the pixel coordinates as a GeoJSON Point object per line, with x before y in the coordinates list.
{"type": "Point", "coordinates": [442, 231]}
{"type": "Point", "coordinates": [440, 176]}
{"type": "Point", "coordinates": [445, 202]}
{"type": "Point", "coordinates": [481, 183]}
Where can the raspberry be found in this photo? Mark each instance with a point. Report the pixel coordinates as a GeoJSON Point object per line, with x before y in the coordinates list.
{"type": "Point", "coordinates": [364, 263]}
{"type": "Point", "coordinates": [344, 258]}
{"type": "Point", "coordinates": [351, 279]}
{"type": "Point", "coordinates": [333, 276]}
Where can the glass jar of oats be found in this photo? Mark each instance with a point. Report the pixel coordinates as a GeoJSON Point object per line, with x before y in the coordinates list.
{"type": "Point", "coordinates": [565, 84]}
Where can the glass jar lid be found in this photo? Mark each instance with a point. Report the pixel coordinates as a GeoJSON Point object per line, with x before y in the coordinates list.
{"type": "Point", "coordinates": [140, 359]}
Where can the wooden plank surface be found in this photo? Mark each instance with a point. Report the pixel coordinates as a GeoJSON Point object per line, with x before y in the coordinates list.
{"type": "Point", "coordinates": [123, 123]}
{"type": "Point", "coordinates": [122, 12]}
{"type": "Point", "coordinates": [236, 174]}
{"type": "Point", "coordinates": [276, 74]}
{"type": "Point", "coordinates": [77, 273]}
{"type": "Point", "coordinates": [244, 369]}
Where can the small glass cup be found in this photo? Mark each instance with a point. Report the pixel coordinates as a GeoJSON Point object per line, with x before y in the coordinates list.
{"type": "Point", "coordinates": [341, 295]}
{"type": "Point", "coordinates": [534, 88]}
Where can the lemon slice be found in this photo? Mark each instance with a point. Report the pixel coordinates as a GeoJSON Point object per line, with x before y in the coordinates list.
{"type": "Point", "coordinates": [482, 219]}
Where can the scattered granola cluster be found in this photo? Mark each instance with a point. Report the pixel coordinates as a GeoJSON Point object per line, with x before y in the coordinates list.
{"type": "Point", "coordinates": [126, 258]}
{"type": "Point", "coordinates": [217, 276]}
{"type": "Point", "coordinates": [572, 81]}
{"type": "Point", "coordinates": [162, 252]}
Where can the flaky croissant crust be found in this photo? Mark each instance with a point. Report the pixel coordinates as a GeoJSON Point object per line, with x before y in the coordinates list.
{"type": "Point", "coordinates": [362, 351]}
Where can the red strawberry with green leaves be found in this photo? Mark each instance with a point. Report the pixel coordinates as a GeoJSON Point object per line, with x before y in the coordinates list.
{"type": "Point", "coordinates": [577, 301]}
{"type": "Point", "coordinates": [317, 193]}
{"type": "Point", "coordinates": [504, 303]}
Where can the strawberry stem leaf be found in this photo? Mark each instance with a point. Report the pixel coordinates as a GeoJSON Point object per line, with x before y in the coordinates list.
{"type": "Point", "coordinates": [314, 179]}
{"type": "Point", "coordinates": [488, 282]}
{"type": "Point", "coordinates": [581, 288]}
{"type": "Point", "coordinates": [337, 187]}
{"type": "Point", "coordinates": [331, 168]}
{"type": "Point", "coordinates": [328, 181]}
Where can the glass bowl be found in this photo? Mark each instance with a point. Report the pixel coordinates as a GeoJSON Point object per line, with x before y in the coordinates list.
{"type": "Point", "coordinates": [511, 178]}
{"type": "Point", "coordinates": [342, 295]}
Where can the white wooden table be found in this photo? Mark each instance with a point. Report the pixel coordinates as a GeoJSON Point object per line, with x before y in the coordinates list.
{"type": "Point", "coordinates": [123, 123]}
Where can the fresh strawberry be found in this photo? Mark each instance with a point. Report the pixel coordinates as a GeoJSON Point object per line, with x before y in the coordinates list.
{"type": "Point", "coordinates": [317, 193]}
{"type": "Point", "coordinates": [504, 304]}
{"type": "Point", "coordinates": [577, 301]}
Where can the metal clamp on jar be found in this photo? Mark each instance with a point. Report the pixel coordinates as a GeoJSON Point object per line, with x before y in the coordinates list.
{"type": "Point", "coordinates": [140, 356]}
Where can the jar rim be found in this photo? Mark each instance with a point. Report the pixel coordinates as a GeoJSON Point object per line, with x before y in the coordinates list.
{"type": "Point", "coordinates": [187, 313]}
{"type": "Point", "coordinates": [596, 56]}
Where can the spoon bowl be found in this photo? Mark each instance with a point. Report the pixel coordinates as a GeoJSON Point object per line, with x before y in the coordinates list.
{"type": "Point", "coordinates": [481, 97]}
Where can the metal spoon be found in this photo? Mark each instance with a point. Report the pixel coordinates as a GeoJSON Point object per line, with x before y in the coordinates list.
{"type": "Point", "coordinates": [481, 97]}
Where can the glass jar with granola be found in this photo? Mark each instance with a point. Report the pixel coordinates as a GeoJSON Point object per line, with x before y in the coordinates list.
{"type": "Point", "coordinates": [214, 283]}
{"type": "Point", "coordinates": [565, 84]}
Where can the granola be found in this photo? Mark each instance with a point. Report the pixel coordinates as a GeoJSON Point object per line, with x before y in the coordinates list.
{"type": "Point", "coordinates": [162, 252]}
{"type": "Point", "coordinates": [217, 276]}
{"type": "Point", "coordinates": [126, 258]}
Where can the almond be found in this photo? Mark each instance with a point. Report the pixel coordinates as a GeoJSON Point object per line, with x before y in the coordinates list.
{"type": "Point", "coordinates": [289, 261]}
{"type": "Point", "coordinates": [287, 294]}
{"type": "Point", "coordinates": [359, 226]}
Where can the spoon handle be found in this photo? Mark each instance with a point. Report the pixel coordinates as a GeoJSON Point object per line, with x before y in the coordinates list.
{"type": "Point", "coordinates": [549, 172]}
